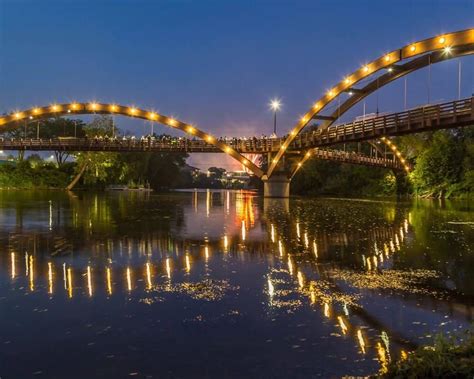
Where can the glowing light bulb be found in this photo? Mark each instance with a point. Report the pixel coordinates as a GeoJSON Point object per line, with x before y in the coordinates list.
{"type": "Point", "coordinates": [275, 104]}
{"type": "Point", "coordinates": [387, 58]}
{"type": "Point", "coordinates": [442, 40]}
{"type": "Point", "coordinates": [412, 48]}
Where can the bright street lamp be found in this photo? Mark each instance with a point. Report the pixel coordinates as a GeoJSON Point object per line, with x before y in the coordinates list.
{"type": "Point", "coordinates": [275, 105]}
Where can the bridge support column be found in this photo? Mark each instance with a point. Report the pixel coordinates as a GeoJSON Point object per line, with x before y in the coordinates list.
{"type": "Point", "coordinates": [278, 185]}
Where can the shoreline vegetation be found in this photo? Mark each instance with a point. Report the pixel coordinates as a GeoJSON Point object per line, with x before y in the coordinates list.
{"type": "Point", "coordinates": [448, 357]}
{"type": "Point", "coordinates": [442, 165]}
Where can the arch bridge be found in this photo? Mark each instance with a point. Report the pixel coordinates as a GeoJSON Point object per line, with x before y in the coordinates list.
{"type": "Point", "coordinates": [297, 144]}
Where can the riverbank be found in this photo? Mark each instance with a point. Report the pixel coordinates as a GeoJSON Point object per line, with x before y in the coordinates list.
{"type": "Point", "coordinates": [446, 358]}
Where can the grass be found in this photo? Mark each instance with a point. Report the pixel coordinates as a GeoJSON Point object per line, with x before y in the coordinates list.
{"type": "Point", "coordinates": [448, 358]}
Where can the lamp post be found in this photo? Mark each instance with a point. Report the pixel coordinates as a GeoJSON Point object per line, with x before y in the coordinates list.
{"type": "Point", "coordinates": [275, 105]}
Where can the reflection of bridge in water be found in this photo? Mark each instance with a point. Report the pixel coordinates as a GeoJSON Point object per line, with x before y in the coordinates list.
{"type": "Point", "coordinates": [300, 262]}
{"type": "Point", "coordinates": [286, 155]}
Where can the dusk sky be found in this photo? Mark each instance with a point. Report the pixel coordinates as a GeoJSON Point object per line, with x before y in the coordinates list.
{"type": "Point", "coordinates": [216, 64]}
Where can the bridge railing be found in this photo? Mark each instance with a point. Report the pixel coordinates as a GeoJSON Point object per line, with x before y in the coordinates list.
{"type": "Point", "coordinates": [425, 117]}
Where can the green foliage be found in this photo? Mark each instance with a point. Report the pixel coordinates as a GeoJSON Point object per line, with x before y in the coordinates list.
{"type": "Point", "coordinates": [27, 175]}
{"type": "Point", "coordinates": [447, 358]}
{"type": "Point", "coordinates": [330, 178]}
{"type": "Point", "coordinates": [444, 166]}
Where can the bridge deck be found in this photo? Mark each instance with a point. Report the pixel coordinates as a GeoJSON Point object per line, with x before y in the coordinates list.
{"type": "Point", "coordinates": [441, 116]}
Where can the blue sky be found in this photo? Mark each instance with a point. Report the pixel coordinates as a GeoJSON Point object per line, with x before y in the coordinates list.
{"type": "Point", "coordinates": [215, 63]}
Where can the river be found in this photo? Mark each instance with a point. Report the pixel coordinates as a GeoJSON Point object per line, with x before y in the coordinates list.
{"type": "Point", "coordinates": [226, 284]}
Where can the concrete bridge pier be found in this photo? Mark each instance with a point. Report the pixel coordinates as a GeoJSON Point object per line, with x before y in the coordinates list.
{"type": "Point", "coordinates": [278, 185]}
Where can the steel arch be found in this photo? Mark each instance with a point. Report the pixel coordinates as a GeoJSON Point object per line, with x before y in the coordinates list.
{"type": "Point", "coordinates": [69, 109]}
{"type": "Point", "coordinates": [434, 44]}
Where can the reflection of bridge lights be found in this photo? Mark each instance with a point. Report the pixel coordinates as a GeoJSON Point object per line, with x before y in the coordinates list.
{"type": "Point", "coordinates": [89, 280]}
{"type": "Point", "coordinates": [342, 324]}
{"type": "Point", "coordinates": [69, 281]}
{"type": "Point", "coordinates": [109, 281]}
{"type": "Point", "coordinates": [315, 249]}
{"type": "Point", "coordinates": [272, 233]}
{"type": "Point", "coordinates": [290, 266]}
{"type": "Point", "coordinates": [360, 338]}
{"type": "Point", "coordinates": [226, 242]}
{"type": "Point", "coordinates": [300, 279]}
{"type": "Point", "coordinates": [50, 277]}
{"type": "Point", "coordinates": [12, 255]}
{"type": "Point", "coordinates": [243, 230]}
{"type": "Point", "coordinates": [206, 252]}
{"type": "Point", "coordinates": [64, 276]}
{"type": "Point", "coordinates": [168, 268]}
{"type": "Point", "coordinates": [32, 274]}
{"type": "Point", "coordinates": [148, 275]}
{"type": "Point", "coordinates": [280, 248]}
{"type": "Point", "coordinates": [129, 279]}
{"type": "Point", "coordinates": [188, 263]}
{"type": "Point", "coordinates": [326, 310]}
{"type": "Point", "coordinates": [271, 289]}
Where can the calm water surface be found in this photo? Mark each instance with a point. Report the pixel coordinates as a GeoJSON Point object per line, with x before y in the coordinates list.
{"type": "Point", "coordinates": [224, 284]}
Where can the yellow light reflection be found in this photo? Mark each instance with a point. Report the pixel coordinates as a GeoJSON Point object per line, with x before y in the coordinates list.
{"type": "Point", "coordinates": [188, 263]}
{"type": "Point", "coordinates": [243, 230]}
{"type": "Point", "coordinates": [226, 243]}
{"type": "Point", "coordinates": [206, 252]}
{"type": "Point", "coordinates": [298, 229]}
{"type": "Point", "coordinates": [300, 279]}
{"type": "Point", "coordinates": [109, 281]}
{"type": "Point", "coordinates": [342, 324]}
{"type": "Point", "coordinates": [315, 249]}
{"type": "Point", "coordinates": [382, 357]}
{"type": "Point", "coordinates": [69, 281]}
{"type": "Point", "coordinates": [273, 233]}
{"type": "Point", "coordinates": [280, 248]}
{"type": "Point", "coordinates": [290, 266]}
{"type": "Point", "coordinates": [148, 275]}
{"type": "Point", "coordinates": [50, 277]}
{"type": "Point", "coordinates": [13, 264]}
{"type": "Point", "coordinates": [326, 310]}
{"type": "Point", "coordinates": [306, 241]}
{"type": "Point", "coordinates": [129, 279]}
{"type": "Point", "coordinates": [360, 338]}
{"type": "Point", "coordinates": [89, 280]}
{"type": "Point", "coordinates": [168, 268]}
{"type": "Point", "coordinates": [32, 274]}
